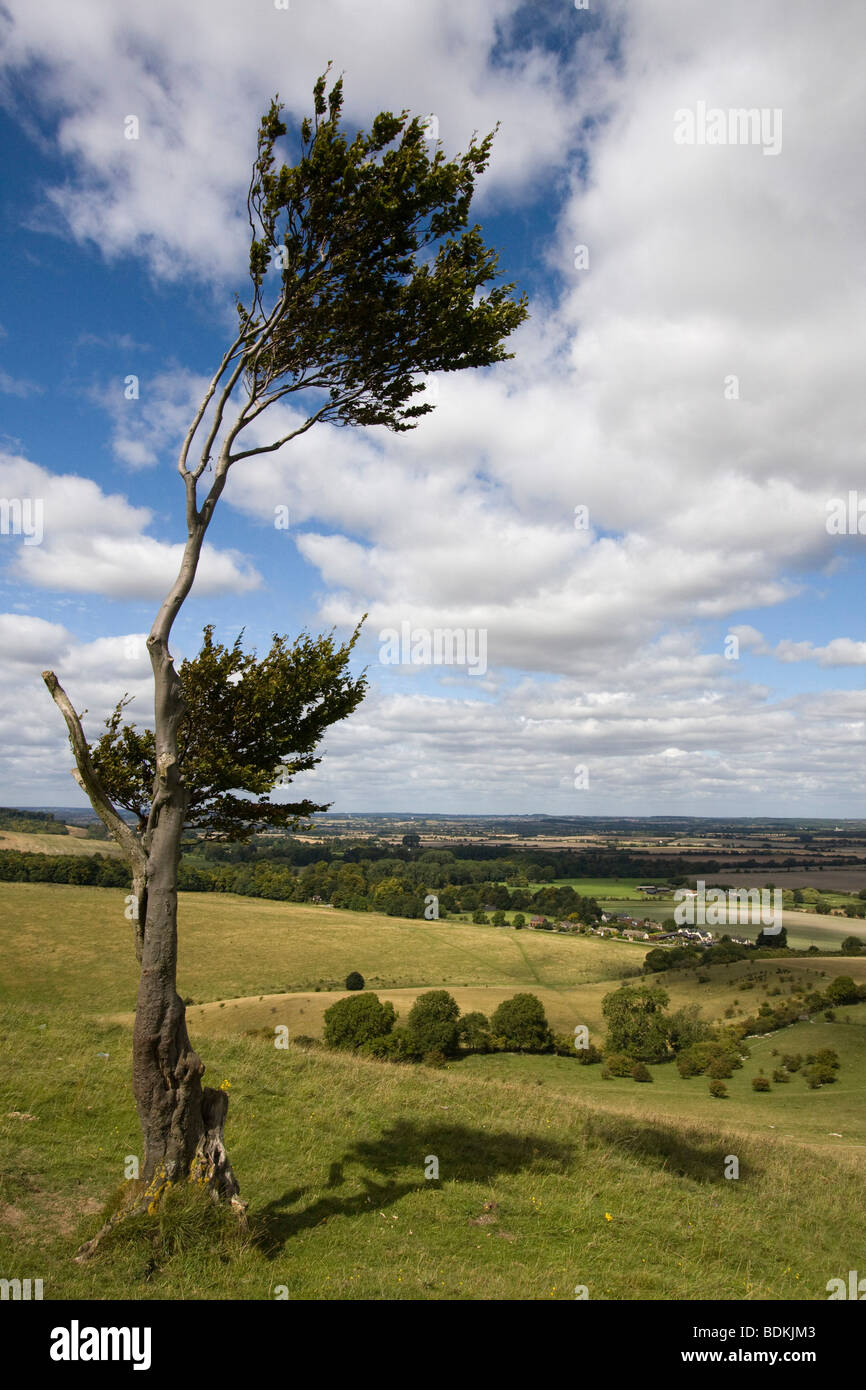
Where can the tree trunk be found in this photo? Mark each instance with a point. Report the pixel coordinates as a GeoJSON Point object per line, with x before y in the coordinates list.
{"type": "Point", "coordinates": [181, 1121]}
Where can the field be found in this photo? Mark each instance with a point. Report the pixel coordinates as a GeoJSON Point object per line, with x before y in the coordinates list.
{"type": "Point", "coordinates": [74, 842]}
{"type": "Point", "coordinates": [549, 1177]}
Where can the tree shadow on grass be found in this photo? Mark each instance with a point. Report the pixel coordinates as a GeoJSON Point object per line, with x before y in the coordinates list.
{"type": "Point", "coordinates": [464, 1155]}
{"type": "Point", "coordinates": [666, 1148]}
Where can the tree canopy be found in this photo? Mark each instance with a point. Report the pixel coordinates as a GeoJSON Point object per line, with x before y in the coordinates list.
{"type": "Point", "coordinates": [248, 726]}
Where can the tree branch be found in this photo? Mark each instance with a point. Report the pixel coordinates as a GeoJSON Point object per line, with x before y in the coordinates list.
{"type": "Point", "coordinates": [86, 777]}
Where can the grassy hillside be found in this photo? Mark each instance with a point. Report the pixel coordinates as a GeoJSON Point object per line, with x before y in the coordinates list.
{"type": "Point", "coordinates": [233, 946]}
{"type": "Point", "coordinates": [549, 1177]}
{"type": "Point", "coordinates": [534, 1197]}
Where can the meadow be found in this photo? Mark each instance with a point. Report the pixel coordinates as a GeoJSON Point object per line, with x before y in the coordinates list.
{"type": "Point", "coordinates": [549, 1178]}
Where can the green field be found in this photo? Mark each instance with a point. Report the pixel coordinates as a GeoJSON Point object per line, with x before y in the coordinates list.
{"type": "Point", "coordinates": [549, 1177]}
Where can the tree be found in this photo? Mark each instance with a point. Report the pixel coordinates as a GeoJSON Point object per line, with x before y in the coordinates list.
{"type": "Point", "coordinates": [364, 276]}
{"type": "Point", "coordinates": [412, 840]}
{"type": "Point", "coordinates": [842, 990]}
{"type": "Point", "coordinates": [637, 1022]}
{"type": "Point", "coordinates": [851, 946]}
{"type": "Point", "coordinates": [432, 1023]}
{"type": "Point", "coordinates": [773, 938]}
{"type": "Point", "coordinates": [354, 980]}
{"type": "Point", "coordinates": [473, 1030]}
{"type": "Point", "coordinates": [353, 1021]}
{"type": "Point", "coordinates": [522, 1023]}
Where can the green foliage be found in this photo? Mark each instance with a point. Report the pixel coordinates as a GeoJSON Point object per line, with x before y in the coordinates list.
{"type": "Point", "coordinates": [247, 726]}
{"type": "Point", "coordinates": [792, 1061]}
{"type": "Point", "coordinates": [640, 1072]}
{"type": "Point", "coordinates": [686, 1027]}
{"type": "Point", "coordinates": [351, 1022]}
{"type": "Point", "coordinates": [432, 1023]}
{"type": "Point", "coordinates": [842, 990]}
{"type": "Point", "coordinates": [381, 278]}
{"type": "Point", "coordinates": [391, 1047]}
{"type": "Point", "coordinates": [518, 920]}
{"type": "Point", "coordinates": [354, 980]}
{"type": "Point", "coordinates": [618, 1063]}
{"type": "Point", "coordinates": [760, 1083]}
{"type": "Point", "coordinates": [636, 1022]}
{"type": "Point", "coordinates": [30, 822]}
{"type": "Point", "coordinates": [719, 1090]}
{"type": "Point", "coordinates": [473, 1030]}
{"type": "Point", "coordinates": [777, 940]}
{"type": "Point", "coordinates": [780, 1075]}
{"type": "Point", "coordinates": [522, 1022]}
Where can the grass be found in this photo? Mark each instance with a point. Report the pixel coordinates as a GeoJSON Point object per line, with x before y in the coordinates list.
{"type": "Point", "coordinates": [235, 946]}
{"type": "Point", "coordinates": [533, 1197]}
{"type": "Point", "coordinates": [549, 1177]}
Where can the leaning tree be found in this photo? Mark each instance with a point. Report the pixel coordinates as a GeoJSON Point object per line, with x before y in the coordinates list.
{"type": "Point", "coordinates": [364, 276]}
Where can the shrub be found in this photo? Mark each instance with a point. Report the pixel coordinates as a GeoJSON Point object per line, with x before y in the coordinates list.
{"type": "Point", "coordinates": [720, 1068]}
{"type": "Point", "coordinates": [302, 1040]}
{"type": "Point", "coordinates": [719, 1090]}
{"type": "Point", "coordinates": [619, 1063]}
{"type": "Point", "coordinates": [522, 1022]}
{"type": "Point", "coordinates": [435, 1058]}
{"type": "Point", "coordinates": [353, 1021]}
{"type": "Point", "coordinates": [792, 1061]}
{"type": "Point", "coordinates": [842, 990]}
{"type": "Point", "coordinates": [640, 1072]}
{"type": "Point", "coordinates": [760, 1083]}
{"type": "Point", "coordinates": [432, 1022]}
{"type": "Point", "coordinates": [827, 1056]}
{"type": "Point", "coordinates": [354, 980]}
{"type": "Point", "coordinates": [780, 1075]}
{"type": "Point", "coordinates": [606, 1074]}
{"type": "Point", "coordinates": [819, 1074]}
{"type": "Point", "coordinates": [689, 1065]}
{"type": "Point", "coordinates": [587, 1056]}
{"type": "Point", "coordinates": [392, 1047]}
{"type": "Point", "coordinates": [830, 1015]}
{"type": "Point", "coordinates": [473, 1029]}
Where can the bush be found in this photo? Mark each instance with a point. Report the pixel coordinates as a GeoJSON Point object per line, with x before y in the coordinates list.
{"type": "Point", "coordinates": [432, 1023]}
{"type": "Point", "coordinates": [587, 1056]}
{"type": "Point", "coordinates": [302, 1040]}
{"type": "Point", "coordinates": [842, 990]}
{"type": "Point", "coordinates": [720, 1068]}
{"type": "Point", "coordinates": [688, 1064]}
{"type": "Point", "coordinates": [518, 920]}
{"type": "Point", "coordinates": [640, 1072]}
{"type": "Point", "coordinates": [473, 1030]}
{"type": "Point", "coordinates": [354, 1021]}
{"type": "Point", "coordinates": [780, 1075]}
{"type": "Point", "coordinates": [719, 1090]}
{"type": "Point", "coordinates": [819, 1074]}
{"type": "Point", "coordinates": [827, 1056]}
{"type": "Point", "coordinates": [760, 1083]}
{"type": "Point", "coordinates": [392, 1047]}
{"type": "Point", "coordinates": [354, 980]}
{"type": "Point", "coordinates": [792, 1061]}
{"type": "Point", "coordinates": [435, 1058]}
{"type": "Point", "coordinates": [522, 1022]}
{"type": "Point", "coordinates": [619, 1063]}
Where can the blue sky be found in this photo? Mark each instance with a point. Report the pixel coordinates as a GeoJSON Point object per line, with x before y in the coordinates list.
{"type": "Point", "coordinates": [605, 647]}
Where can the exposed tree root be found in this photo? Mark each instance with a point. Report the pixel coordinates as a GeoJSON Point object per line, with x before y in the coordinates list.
{"type": "Point", "coordinates": [210, 1169]}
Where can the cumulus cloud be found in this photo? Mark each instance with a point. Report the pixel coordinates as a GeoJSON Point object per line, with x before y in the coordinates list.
{"type": "Point", "coordinates": [93, 543]}
{"type": "Point", "coordinates": [657, 459]}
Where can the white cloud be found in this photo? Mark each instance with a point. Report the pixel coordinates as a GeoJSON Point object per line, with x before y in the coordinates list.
{"type": "Point", "coordinates": [94, 543]}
